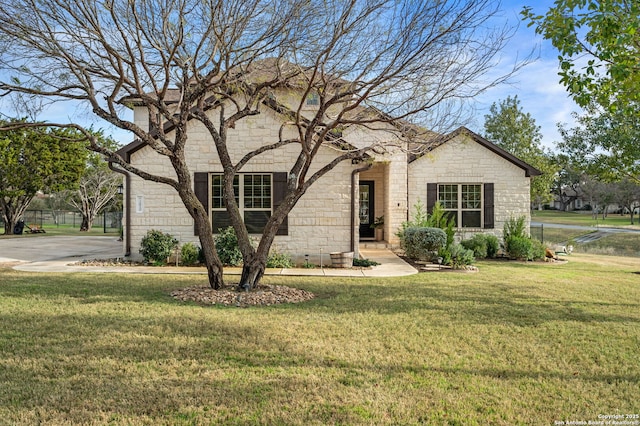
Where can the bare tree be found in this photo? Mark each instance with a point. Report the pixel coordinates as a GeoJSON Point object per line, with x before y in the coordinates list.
{"type": "Point", "coordinates": [372, 64]}
{"type": "Point", "coordinates": [97, 188]}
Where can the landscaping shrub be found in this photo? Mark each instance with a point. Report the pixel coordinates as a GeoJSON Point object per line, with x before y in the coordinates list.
{"type": "Point", "coordinates": [440, 218]}
{"type": "Point", "coordinates": [538, 250]}
{"type": "Point", "coordinates": [189, 254]}
{"type": "Point", "coordinates": [483, 245]}
{"type": "Point", "coordinates": [493, 245]}
{"type": "Point", "coordinates": [519, 247]}
{"type": "Point", "coordinates": [277, 259]}
{"type": "Point", "coordinates": [227, 247]}
{"type": "Point", "coordinates": [460, 256]}
{"type": "Point", "coordinates": [477, 244]}
{"type": "Point", "coordinates": [364, 263]}
{"type": "Point", "coordinates": [514, 228]}
{"type": "Point", "coordinates": [420, 242]}
{"type": "Point", "coordinates": [156, 246]}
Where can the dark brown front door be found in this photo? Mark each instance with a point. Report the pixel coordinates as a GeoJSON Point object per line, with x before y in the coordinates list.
{"type": "Point", "coordinates": [365, 209]}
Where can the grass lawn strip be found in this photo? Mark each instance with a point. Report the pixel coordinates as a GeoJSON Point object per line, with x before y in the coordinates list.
{"type": "Point", "coordinates": [517, 343]}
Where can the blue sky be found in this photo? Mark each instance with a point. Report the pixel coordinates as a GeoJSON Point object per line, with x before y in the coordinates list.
{"type": "Point", "coordinates": [536, 85]}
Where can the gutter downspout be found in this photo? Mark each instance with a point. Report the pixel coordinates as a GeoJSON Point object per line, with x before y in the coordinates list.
{"type": "Point", "coordinates": [127, 208]}
{"type": "Point", "coordinates": [354, 197]}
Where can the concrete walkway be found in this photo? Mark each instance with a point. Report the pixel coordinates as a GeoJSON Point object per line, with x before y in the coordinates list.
{"type": "Point", "coordinates": [59, 253]}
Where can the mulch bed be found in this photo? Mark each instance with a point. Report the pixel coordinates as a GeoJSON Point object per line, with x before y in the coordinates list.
{"type": "Point", "coordinates": [263, 295]}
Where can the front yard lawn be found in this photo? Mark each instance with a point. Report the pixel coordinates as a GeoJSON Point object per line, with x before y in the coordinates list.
{"type": "Point", "coordinates": [514, 344]}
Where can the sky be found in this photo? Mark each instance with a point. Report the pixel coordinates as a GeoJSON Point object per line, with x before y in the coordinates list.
{"type": "Point", "coordinates": [536, 85]}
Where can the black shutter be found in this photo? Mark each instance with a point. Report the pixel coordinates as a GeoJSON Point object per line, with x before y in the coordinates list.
{"type": "Point", "coordinates": [279, 191]}
{"type": "Point", "coordinates": [489, 213]}
{"type": "Point", "coordinates": [432, 196]}
{"type": "Point", "coordinates": [201, 188]}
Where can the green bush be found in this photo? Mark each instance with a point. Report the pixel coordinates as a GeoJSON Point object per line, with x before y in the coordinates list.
{"type": "Point", "coordinates": [493, 245]}
{"type": "Point", "coordinates": [477, 244]}
{"type": "Point", "coordinates": [420, 242]}
{"type": "Point", "coordinates": [483, 245]}
{"type": "Point", "coordinates": [514, 228]}
{"type": "Point", "coordinates": [364, 263]}
{"type": "Point", "coordinates": [156, 246]}
{"type": "Point", "coordinates": [538, 250]}
{"type": "Point", "coordinates": [520, 248]}
{"type": "Point", "coordinates": [460, 256]}
{"type": "Point", "coordinates": [279, 260]}
{"type": "Point", "coordinates": [227, 247]}
{"type": "Point", "coordinates": [189, 254]}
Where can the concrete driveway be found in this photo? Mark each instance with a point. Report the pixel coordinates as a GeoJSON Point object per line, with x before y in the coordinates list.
{"type": "Point", "coordinates": [46, 248]}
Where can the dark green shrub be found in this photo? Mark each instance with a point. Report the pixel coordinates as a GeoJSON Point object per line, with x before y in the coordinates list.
{"type": "Point", "coordinates": [364, 263]}
{"type": "Point", "coordinates": [227, 247]}
{"type": "Point", "coordinates": [483, 245]}
{"type": "Point", "coordinates": [514, 228]}
{"type": "Point", "coordinates": [460, 256]}
{"type": "Point", "coordinates": [520, 248]}
{"type": "Point", "coordinates": [493, 245]}
{"type": "Point", "coordinates": [189, 254]}
{"type": "Point", "coordinates": [279, 260]}
{"type": "Point", "coordinates": [156, 246]}
{"type": "Point", "coordinates": [440, 218]}
{"type": "Point", "coordinates": [421, 242]}
{"type": "Point", "coordinates": [538, 250]}
{"type": "Point", "coordinates": [477, 244]}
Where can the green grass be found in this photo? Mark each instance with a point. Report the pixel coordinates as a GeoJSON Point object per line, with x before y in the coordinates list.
{"type": "Point", "coordinates": [515, 344]}
{"type": "Point", "coordinates": [583, 219]}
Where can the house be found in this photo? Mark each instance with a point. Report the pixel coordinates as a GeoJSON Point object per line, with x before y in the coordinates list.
{"type": "Point", "coordinates": [480, 183]}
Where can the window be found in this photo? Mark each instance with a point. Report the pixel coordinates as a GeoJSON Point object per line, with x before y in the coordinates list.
{"type": "Point", "coordinates": [464, 202]}
{"type": "Point", "coordinates": [255, 202]}
{"type": "Point", "coordinates": [313, 99]}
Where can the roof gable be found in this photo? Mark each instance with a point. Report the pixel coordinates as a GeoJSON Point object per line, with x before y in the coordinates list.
{"type": "Point", "coordinates": [439, 140]}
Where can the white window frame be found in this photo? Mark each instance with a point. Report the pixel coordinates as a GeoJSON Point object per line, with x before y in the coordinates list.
{"type": "Point", "coordinates": [459, 209]}
{"type": "Point", "coordinates": [240, 197]}
{"type": "Point", "coordinates": [312, 100]}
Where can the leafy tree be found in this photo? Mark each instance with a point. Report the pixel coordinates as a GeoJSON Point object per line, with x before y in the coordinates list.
{"type": "Point", "coordinates": [36, 159]}
{"type": "Point", "coordinates": [98, 186]}
{"type": "Point", "coordinates": [599, 46]}
{"type": "Point", "coordinates": [566, 185]}
{"type": "Point", "coordinates": [604, 144]}
{"type": "Point", "coordinates": [627, 194]}
{"type": "Point", "coordinates": [409, 59]}
{"type": "Point", "coordinates": [509, 127]}
{"type": "Point", "coordinates": [607, 35]}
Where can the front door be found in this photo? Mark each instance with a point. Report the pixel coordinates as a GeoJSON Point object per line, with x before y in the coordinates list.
{"type": "Point", "coordinates": [365, 209]}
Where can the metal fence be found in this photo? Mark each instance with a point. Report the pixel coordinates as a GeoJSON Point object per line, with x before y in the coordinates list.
{"type": "Point", "coordinates": [537, 232]}
{"type": "Point", "coordinates": [108, 221]}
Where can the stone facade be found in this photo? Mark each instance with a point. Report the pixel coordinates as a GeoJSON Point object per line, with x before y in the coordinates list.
{"type": "Point", "coordinates": [319, 224]}
{"type": "Point", "coordinates": [463, 160]}
{"type": "Point", "coordinates": [325, 219]}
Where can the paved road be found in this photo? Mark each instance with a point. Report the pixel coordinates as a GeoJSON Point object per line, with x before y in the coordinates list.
{"type": "Point", "coordinates": [46, 248]}
{"type": "Point", "coordinates": [596, 234]}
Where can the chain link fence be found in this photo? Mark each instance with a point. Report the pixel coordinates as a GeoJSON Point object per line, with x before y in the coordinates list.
{"type": "Point", "coordinates": [108, 221]}
{"type": "Point", "coordinates": [537, 232]}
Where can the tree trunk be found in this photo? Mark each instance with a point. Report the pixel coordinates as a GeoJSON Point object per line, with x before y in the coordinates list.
{"type": "Point", "coordinates": [85, 226]}
{"type": "Point", "coordinates": [8, 227]}
{"type": "Point", "coordinates": [252, 272]}
{"type": "Point", "coordinates": [205, 234]}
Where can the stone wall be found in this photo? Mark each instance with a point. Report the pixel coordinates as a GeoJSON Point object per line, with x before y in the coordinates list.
{"type": "Point", "coordinates": [462, 160]}
{"type": "Point", "coordinates": [319, 224]}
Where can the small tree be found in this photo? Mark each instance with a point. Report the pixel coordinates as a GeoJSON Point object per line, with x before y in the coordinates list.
{"type": "Point", "coordinates": [36, 159]}
{"type": "Point", "coordinates": [98, 186]}
{"type": "Point", "coordinates": [509, 127]}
